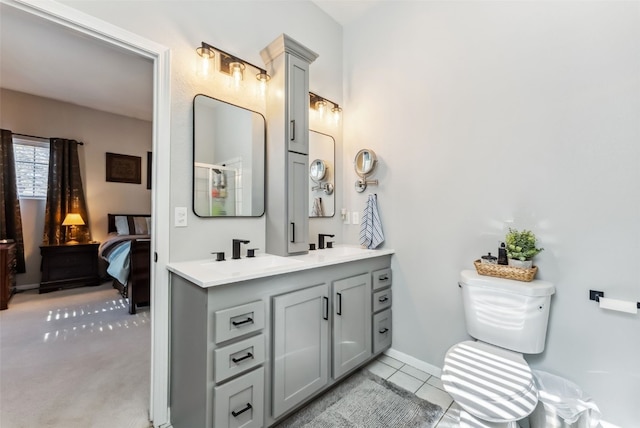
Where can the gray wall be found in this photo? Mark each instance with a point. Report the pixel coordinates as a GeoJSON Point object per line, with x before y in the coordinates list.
{"type": "Point", "coordinates": [484, 112]}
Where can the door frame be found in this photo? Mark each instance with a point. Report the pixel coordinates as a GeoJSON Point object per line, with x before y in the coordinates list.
{"type": "Point", "coordinates": [160, 193]}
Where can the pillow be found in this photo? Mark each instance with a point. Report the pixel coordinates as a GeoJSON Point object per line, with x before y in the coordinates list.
{"type": "Point", "coordinates": [122, 225]}
{"type": "Point", "coordinates": [141, 226]}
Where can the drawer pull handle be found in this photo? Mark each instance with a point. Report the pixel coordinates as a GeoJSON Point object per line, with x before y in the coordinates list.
{"type": "Point", "coordinates": [237, 323]}
{"type": "Point", "coordinates": [237, 360]}
{"type": "Point", "coordinates": [325, 309]}
{"type": "Point", "coordinates": [383, 299]}
{"type": "Point", "coordinates": [239, 412]}
{"type": "Point", "coordinates": [383, 277]}
{"type": "Point", "coordinates": [384, 330]}
{"type": "Point", "coordinates": [339, 309]}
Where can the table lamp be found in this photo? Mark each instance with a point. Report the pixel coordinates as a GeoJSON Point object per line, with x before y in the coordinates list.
{"type": "Point", "coordinates": [73, 220]}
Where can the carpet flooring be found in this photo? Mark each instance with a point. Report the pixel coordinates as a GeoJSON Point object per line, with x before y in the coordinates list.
{"type": "Point", "coordinates": [74, 358]}
{"type": "Point", "coordinates": [365, 400]}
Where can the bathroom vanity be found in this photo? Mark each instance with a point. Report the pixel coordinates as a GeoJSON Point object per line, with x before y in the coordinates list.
{"type": "Point", "coordinates": [256, 338]}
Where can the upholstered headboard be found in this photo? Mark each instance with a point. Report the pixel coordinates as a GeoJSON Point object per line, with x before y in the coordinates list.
{"type": "Point", "coordinates": [115, 220]}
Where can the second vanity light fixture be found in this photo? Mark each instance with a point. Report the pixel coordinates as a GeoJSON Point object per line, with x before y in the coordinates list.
{"type": "Point", "coordinates": [321, 105]}
{"type": "Point", "coordinates": [229, 64]}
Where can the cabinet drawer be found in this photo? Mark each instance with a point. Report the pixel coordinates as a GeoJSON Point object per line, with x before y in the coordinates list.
{"type": "Point", "coordinates": [381, 278]}
{"type": "Point", "coordinates": [381, 331]}
{"type": "Point", "coordinates": [238, 358]}
{"type": "Point", "coordinates": [240, 403]}
{"type": "Point", "coordinates": [238, 321]}
{"type": "Point", "coordinates": [381, 300]}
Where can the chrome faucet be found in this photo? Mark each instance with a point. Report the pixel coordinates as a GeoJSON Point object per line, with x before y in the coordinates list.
{"type": "Point", "coordinates": [236, 247]}
{"type": "Point", "coordinates": [321, 237]}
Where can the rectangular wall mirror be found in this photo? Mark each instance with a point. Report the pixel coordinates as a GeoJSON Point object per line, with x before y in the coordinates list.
{"type": "Point", "coordinates": [228, 159]}
{"type": "Point", "coordinates": [321, 175]}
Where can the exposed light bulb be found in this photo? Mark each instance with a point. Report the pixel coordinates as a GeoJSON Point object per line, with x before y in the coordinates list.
{"type": "Point", "coordinates": [321, 106]}
{"type": "Point", "coordinates": [337, 112]}
{"type": "Point", "coordinates": [206, 58]}
{"type": "Point", "coordinates": [236, 69]}
{"type": "Point", "coordinates": [263, 78]}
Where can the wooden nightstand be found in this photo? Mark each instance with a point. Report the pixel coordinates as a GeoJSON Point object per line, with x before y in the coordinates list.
{"type": "Point", "coordinates": [67, 266]}
{"type": "Point", "coordinates": [7, 273]}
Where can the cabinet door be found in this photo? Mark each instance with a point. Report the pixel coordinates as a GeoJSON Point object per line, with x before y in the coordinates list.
{"type": "Point", "coordinates": [298, 201]}
{"type": "Point", "coordinates": [300, 346]}
{"type": "Point", "coordinates": [352, 323]}
{"type": "Point", "coordinates": [298, 105]}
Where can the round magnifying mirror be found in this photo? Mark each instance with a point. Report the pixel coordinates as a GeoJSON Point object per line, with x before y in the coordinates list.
{"type": "Point", "coordinates": [365, 162]}
{"type": "Point", "coordinates": [317, 170]}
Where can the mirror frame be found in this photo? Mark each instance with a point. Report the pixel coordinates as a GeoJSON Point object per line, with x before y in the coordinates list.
{"type": "Point", "coordinates": [193, 158]}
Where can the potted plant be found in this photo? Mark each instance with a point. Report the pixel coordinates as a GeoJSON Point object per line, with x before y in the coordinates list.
{"type": "Point", "coordinates": [521, 248]}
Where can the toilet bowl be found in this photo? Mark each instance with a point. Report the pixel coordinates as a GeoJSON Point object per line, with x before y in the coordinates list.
{"type": "Point", "coordinates": [488, 377]}
{"type": "Point", "coordinates": [489, 383]}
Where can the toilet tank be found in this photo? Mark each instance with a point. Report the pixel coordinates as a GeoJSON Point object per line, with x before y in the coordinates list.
{"type": "Point", "coordinates": [506, 313]}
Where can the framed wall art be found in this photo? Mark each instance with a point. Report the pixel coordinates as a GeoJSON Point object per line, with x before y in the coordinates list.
{"type": "Point", "coordinates": [124, 168]}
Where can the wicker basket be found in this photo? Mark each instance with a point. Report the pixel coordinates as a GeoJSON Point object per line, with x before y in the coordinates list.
{"type": "Point", "coordinates": [508, 272]}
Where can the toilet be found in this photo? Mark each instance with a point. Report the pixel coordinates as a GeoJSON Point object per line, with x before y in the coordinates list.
{"type": "Point", "coordinates": [488, 377]}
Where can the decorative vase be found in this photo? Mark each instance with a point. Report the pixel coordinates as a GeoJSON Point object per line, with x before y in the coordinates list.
{"type": "Point", "coordinates": [526, 264]}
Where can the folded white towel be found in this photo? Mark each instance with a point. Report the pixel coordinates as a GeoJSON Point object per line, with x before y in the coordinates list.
{"type": "Point", "coordinates": [371, 235]}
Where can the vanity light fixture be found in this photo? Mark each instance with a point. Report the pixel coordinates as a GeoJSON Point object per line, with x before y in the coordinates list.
{"type": "Point", "coordinates": [320, 104]}
{"type": "Point", "coordinates": [230, 64]}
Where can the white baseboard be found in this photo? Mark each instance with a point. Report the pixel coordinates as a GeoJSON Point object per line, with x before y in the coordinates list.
{"type": "Point", "coordinates": [412, 361]}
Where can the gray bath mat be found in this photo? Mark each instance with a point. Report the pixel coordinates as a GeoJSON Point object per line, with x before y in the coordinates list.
{"type": "Point", "coordinates": [365, 401]}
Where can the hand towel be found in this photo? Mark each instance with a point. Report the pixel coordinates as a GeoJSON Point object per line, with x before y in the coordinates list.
{"type": "Point", "coordinates": [317, 210]}
{"type": "Point", "coordinates": [371, 235]}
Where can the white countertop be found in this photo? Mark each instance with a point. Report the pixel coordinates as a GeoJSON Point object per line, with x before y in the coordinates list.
{"type": "Point", "coordinates": [210, 273]}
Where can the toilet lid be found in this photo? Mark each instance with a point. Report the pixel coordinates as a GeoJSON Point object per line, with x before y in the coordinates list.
{"type": "Point", "coordinates": [491, 383]}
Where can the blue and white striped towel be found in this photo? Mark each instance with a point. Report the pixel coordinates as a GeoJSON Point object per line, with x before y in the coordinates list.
{"type": "Point", "coordinates": [371, 235]}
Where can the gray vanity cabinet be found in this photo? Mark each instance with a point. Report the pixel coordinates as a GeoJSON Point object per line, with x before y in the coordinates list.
{"type": "Point", "coordinates": [351, 323]}
{"type": "Point", "coordinates": [287, 103]}
{"type": "Point", "coordinates": [300, 346]}
{"type": "Point", "coordinates": [246, 354]}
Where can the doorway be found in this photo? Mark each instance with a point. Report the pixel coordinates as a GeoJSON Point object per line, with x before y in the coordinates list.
{"type": "Point", "coordinates": [128, 43]}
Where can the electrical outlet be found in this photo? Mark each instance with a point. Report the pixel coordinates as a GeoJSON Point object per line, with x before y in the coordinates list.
{"type": "Point", "coordinates": [180, 218]}
{"type": "Point", "coordinates": [355, 217]}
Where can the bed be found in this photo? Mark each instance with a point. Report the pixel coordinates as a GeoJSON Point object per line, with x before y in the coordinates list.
{"type": "Point", "coordinates": [127, 251]}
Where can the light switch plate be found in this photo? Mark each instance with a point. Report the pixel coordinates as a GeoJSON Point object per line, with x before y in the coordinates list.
{"type": "Point", "coordinates": [180, 218]}
{"type": "Point", "coordinates": [355, 217]}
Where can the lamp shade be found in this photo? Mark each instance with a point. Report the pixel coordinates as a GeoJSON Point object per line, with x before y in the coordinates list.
{"type": "Point", "coordinates": [73, 219]}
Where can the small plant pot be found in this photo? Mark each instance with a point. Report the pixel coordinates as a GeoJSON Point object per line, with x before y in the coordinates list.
{"type": "Point", "coordinates": [527, 264]}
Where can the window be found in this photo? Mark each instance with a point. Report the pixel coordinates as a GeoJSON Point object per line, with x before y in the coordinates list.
{"type": "Point", "coordinates": [32, 166]}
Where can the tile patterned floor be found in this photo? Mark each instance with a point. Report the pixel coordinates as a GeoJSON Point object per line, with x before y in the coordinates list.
{"type": "Point", "coordinates": [422, 384]}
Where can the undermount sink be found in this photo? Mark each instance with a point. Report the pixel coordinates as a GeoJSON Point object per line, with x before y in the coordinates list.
{"type": "Point", "coordinates": [249, 265]}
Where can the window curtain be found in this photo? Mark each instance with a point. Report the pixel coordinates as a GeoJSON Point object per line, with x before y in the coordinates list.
{"type": "Point", "coordinates": [64, 193]}
{"type": "Point", "coordinates": [10, 218]}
